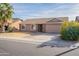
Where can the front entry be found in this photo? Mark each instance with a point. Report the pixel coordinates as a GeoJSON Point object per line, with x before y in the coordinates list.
{"type": "Point", "coordinates": [40, 27]}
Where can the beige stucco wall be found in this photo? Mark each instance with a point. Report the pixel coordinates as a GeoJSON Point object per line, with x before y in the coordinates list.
{"type": "Point", "coordinates": [16, 25]}
{"type": "Point", "coordinates": [28, 27]}
{"type": "Point", "coordinates": [44, 28]}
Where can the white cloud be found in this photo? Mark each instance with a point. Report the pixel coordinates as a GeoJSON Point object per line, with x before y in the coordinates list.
{"type": "Point", "coordinates": [71, 10]}
{"type": "Point", "coordinates": [64, 10]}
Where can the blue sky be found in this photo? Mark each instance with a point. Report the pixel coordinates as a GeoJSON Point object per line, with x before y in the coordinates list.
{"type": "Point", "coordinates": [40, 10]}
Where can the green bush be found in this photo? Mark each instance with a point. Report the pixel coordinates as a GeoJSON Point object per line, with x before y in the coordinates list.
{"type": "Point", "coordinates": [70, 31]}
{"type": "Point", "coordinates": [10, 29]}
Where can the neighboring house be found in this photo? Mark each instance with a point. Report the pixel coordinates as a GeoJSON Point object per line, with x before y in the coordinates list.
{"type": "Point", "coordinates": [43, 24]}
{"type": "Point", "coordinates": [14, 23]}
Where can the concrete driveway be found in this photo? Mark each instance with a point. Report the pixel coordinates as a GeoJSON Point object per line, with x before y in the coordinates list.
{"type": "Point", "coordinates": [28, 36]}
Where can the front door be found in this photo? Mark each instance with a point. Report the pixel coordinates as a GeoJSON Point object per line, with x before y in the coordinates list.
{"type": "Point", "coordinates": [40, 28]}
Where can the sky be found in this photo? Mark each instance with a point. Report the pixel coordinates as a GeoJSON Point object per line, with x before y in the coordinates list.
{"type": "Point", "coordinates": [45, 10]}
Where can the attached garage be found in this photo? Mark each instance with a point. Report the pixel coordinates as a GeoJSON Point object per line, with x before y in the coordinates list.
{"type": "Point", "coordinates": [55, 28]}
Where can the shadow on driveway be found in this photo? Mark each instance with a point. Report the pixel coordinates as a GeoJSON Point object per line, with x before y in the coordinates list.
{"type": "Point", "coordinates": [58, 42]}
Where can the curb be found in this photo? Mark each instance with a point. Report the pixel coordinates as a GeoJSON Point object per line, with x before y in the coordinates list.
{"type": "Point", "coordinates": [67, 51]}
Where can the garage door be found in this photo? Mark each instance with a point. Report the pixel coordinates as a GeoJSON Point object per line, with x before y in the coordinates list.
{"type": "Point", "coordinates": [53, 28]}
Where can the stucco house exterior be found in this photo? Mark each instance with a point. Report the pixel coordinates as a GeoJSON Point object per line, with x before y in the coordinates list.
{"type": "Point", "coordinates": [43, 24]}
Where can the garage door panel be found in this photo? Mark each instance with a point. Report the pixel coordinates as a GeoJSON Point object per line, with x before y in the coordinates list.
{"type": "Point", "coordinates": [53, 28]}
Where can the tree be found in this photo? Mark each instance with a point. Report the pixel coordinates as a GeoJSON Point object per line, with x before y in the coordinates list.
{"type": "Point", "coordinates": [6, 12]}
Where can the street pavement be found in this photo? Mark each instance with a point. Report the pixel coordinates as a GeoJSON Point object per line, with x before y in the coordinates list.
{"type": "Point", "coordinates": [16, 48]}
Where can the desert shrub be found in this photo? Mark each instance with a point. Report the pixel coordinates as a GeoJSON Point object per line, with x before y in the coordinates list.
{"type": "Point", "coordinates": [70, 31]}
{"type": "Point", "coordinates": [10, 29]}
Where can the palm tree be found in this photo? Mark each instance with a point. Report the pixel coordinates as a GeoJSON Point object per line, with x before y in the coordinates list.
{"type": "Point", "coordinates": [6, 12]}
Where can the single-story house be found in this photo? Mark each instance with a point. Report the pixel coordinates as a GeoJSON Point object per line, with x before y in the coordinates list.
{"type": "Point", "coordinates": [43, 24]}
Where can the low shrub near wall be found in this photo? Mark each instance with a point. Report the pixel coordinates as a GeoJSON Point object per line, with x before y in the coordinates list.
{"type": "Point", "coordinates": [70, 31]}
{"type": "Point", "coordinates": [10, 29]}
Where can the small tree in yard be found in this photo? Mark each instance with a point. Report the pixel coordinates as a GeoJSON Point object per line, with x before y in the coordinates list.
{"type": "Point", "coordinates": [6, 12]}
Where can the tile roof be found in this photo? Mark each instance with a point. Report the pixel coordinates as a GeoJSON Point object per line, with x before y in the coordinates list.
{"type": "Point", "coordinates": [44, 20]}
